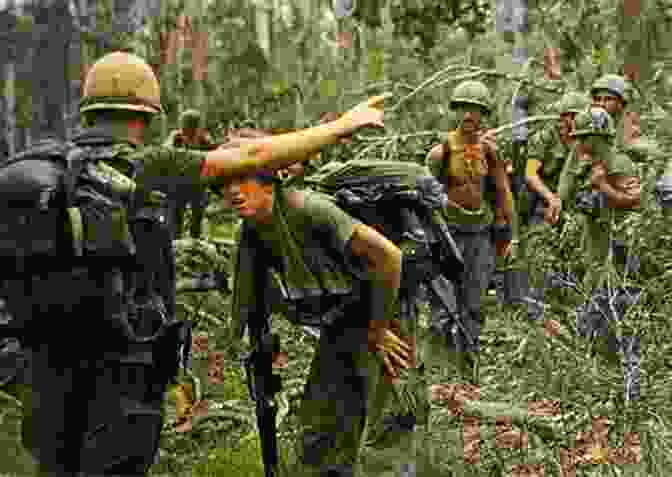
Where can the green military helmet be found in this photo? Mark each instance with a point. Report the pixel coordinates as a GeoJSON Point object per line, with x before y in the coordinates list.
{"type": "Point", "coordinates": [190, 119]}
{"type": "Point", "coordinates": [121, 81]}
{"type": "Point", "coordinates": [614, 84]}
{"type": "Point", "coordinates": [471, 92]}
{"type": "Point", "coordinates": [572, 102]}
{"type": "Point", "coordinates": [594, 122]}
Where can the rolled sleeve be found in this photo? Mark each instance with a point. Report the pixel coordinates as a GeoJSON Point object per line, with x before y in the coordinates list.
{"type": "Point", "coordinates": [327, 217]}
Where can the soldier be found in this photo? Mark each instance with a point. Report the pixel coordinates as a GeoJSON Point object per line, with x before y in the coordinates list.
{"type": "Point", "coordinates": [462, 164]}
{"type": "Point", "coordinates": [614, 94]}
{"type": "Point", "coordinates": [97, 398]}
{"type": "Point", "coordinates": [547, 156]}
{"type": "Point", "coordinates": [603, 181]}
{"type": "Point", "coordinates": [191, 135]}
{"type": "Point", "coordinates": [325, 259]}
{"type": "Point", "coordinates": [510, 277]}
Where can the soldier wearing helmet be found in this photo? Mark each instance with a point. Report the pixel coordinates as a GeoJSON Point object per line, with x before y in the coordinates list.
{"type": "Point", "coordinates": [547, 154]}
{"type": "Point", "coordinates": [616, 95]}
{"type": "Point", "coordinates": [605, 186]}
{"type": "Point", "coordinates": [603, 183]}
{"type": "Point", "coordinates": [612, 92]}
{"type": "Point", "coordinates": [98, 401]}
{"type": "Point", "coordinates": [462, 164]}
{"type": "Point", "coordinates": [191, 135]}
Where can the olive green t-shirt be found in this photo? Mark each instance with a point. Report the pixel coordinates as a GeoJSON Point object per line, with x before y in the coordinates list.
{"type": "Point", "coordinates": [310, 244]}
{"type": "Point", "coordinates": [547, 148]}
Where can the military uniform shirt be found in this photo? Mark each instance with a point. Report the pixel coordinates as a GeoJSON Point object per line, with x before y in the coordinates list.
{"type": "Point", "coordinates": [311, 243]}
{"type": "Point", "coordinates": [547, 148]}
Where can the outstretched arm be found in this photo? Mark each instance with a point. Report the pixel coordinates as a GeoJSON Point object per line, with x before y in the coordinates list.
{"type": "Point", "coordinates": [281, 151]}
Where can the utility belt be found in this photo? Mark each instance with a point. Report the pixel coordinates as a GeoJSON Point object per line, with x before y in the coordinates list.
{"type": "Point", "coordinates": [320, 311]}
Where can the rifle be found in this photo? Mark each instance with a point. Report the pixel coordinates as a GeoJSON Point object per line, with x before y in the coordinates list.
{"type": "Point", "coordinates": [262, 383]}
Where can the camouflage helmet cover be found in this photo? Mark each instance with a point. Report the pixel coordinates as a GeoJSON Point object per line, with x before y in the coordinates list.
{"type": "Point", "coordinates": [615, 84]}
{"type": "Point", "coordinates": [471, 92]}
{"type": "Point", "coordinates": [572, 102]}
{"type": "Point", "coordinates": [121, 81]}
{"type": "Point", "coordinates": [594, 122]}
{"type": "Point", "coordinates": [190, 119]}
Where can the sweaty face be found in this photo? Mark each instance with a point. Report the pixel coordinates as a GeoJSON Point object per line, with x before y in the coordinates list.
{"type": "Point", "coordinates": [610, 102]}
{"type": "Point", "coordinates": [249, 197]}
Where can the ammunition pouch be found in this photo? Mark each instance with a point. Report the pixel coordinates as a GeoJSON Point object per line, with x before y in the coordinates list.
{"type": "Point", "coordinates": [320, 311]}
{"type": "Point", "coordinates": [173, 350]}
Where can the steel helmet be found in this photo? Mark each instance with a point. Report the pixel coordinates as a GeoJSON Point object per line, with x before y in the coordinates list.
{"type": "Point", "coordinates": [615, 84]}
{"type": "Point", "coordinates": [594, 122]}
{"type": "Point", "coordinates": [121, 81]}
{"type": "Point", "coordinates": [471, 92]}
{"type": "Point", "coordinates": [572, 102]}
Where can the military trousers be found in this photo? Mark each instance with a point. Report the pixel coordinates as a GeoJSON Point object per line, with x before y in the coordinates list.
{"type": "Point", "coordinates": [88, 417]}
{"type": "Point", "coordinates": [14, 394]}
{"type": "Point", "coordinates": [95, 402]}
{"type": "Point", "coordinates": [354, 422]}
{"type": "Point", "coordinates": [477, 248]}
{"type": "Point", "coordinates": [596, 319]}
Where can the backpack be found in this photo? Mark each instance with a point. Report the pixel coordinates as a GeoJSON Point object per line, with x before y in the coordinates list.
{"type": "Point", "coordinates": [64, 211]}
{"type": "Point", "coordinates": [403, 200]}
{"type": "Point", "coordinates": [61, 206]}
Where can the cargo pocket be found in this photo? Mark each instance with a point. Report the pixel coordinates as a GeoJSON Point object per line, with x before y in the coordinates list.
{"type": "Point", "coordinates": [106, 229]}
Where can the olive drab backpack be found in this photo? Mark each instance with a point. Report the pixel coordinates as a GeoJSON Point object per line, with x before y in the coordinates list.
{"type": "Point", "coordinates": [62, 207]}
{"type": "Point", "coordinates": [402, 199]}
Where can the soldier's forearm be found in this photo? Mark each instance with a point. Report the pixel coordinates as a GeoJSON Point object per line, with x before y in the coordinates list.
{"type": "Point", "coordinates": [538, 186]}
{"type": "Point", "coordinates": [383, 259]}
{"type": "Point", "coordinates": [273, 152]}
{"type": "Point", "coordinates": [617, 199]}
{"type": "Point", "coordinates": [504, 210]}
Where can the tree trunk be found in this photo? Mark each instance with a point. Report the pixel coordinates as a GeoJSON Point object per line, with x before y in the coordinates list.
{"type": "Point", "coordinates": [547, 428]}
{"type": "Point", "coordinates": [52, 35]}
{"type": "Point", "coordinates": [10, 106]}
